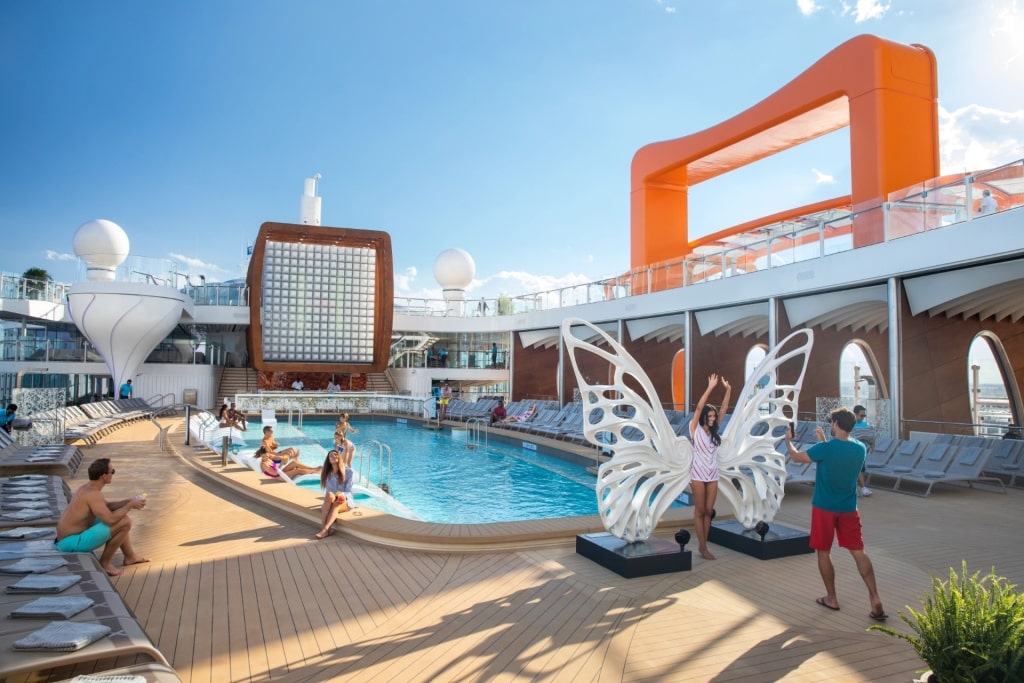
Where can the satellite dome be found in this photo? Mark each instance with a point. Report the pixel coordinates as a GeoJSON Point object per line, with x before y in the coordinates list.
{"type": "Point", "coordinates": [454, 269]}
{"type": "Point", "coordinates": [103, 245]}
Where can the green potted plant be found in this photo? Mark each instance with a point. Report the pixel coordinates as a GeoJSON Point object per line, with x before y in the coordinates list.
{"type": "Point", "coordinates": [970, 629]}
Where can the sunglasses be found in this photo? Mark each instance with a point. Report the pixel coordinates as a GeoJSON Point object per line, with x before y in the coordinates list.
{"type": "Point", "coordinates": [112, 471]}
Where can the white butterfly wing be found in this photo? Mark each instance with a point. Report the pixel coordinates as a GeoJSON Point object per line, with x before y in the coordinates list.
{"type": "Point", "coordinates": [752, 474]}
{"type": "Point", "coordinates": [651, 465]}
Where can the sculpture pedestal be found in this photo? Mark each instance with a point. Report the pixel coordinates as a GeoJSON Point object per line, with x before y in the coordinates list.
{"type": "Point", "coordinates": [632, 560]}
{"type": "Point", "coordinates": [780, 541]}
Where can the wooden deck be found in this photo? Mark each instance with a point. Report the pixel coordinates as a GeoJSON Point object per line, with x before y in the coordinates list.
{"type": "Point", "coordinates": [238, 590]}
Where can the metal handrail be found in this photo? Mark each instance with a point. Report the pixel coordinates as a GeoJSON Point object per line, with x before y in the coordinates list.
{"type": "Point", "coordinates": [478, 430]}
{"type": "Point", "coordinates": [383, 460]}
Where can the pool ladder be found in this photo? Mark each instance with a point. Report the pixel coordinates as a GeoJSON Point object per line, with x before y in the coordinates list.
{"type": "Point", "coordinates": [477, 430]}
{"type": "Point", "coordinates": [376, 457]}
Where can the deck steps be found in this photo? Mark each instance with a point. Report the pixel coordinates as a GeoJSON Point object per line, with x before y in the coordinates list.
{"type": "Point", "coordinates": [237, 381]}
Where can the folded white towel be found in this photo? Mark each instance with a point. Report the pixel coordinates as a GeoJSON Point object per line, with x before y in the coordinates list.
{"type": "Point", "coordinates": [63, 636]}
{"type": "Point", "coordinates": [25, 505]}
{"type": "Point", "coordinates": [34, 565]}
{"type": "Point", "coordinates": [22, 495]}
{"type": "Point", "coordinates": [22, 533]}
{"type": "Point", "coordinates": [25, 515]}
{"type": "Point", "coordinates": [115, 678]}
{"type": "Point", "coordinates": [44, 583]}
{"type": "Point", "coordinates": [63, 607]}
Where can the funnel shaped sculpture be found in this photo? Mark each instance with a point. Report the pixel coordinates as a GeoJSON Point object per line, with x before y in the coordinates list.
{"type": "Point", "coordinates": [650, 466]}
{"type": "Point", "coordinates": [124, 321]}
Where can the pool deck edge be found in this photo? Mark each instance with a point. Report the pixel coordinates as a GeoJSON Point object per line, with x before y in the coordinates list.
{"type": "Point", "coordinates": [380, 528]}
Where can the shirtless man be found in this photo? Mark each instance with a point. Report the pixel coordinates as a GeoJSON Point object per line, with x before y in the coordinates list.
{"type": "Point", "coordinates": [270, 445]}
{"type": "Point", "coordinates": [238, 417]}
{"type": "Point", "coordinates": [90, 520]}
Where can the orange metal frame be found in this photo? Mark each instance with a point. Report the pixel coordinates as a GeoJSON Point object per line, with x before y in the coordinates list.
{"type": "Point", "coordinates": [885, 92]}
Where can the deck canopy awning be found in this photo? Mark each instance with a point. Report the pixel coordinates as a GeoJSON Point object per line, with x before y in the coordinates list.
{"type": "Point", "coordinates": [991, 291]}
{"type": "Point", "coordinates": [750, 320]}
{"type": "Point", "coordinates": [860, 308]}
{"type": "Point", "coordinates": [660, 328]}
{"type": "Point", "coordinates": [548, 338]}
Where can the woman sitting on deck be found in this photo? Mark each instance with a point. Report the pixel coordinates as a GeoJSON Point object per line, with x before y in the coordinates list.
{"type": "Point", "coordinates": [333, 479]}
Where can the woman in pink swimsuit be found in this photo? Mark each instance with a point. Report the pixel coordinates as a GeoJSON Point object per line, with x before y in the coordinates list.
{"type": "Point", "coordinates": [704, 474]}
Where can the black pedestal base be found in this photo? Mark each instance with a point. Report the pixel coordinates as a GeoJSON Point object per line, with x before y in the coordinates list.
{"type": "Point", "coordinates": [780, 541]}
{"type": "Point", "coordinates": [632, 560]}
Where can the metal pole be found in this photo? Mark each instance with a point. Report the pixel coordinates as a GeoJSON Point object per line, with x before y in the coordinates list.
{"type": "Point", "coordinates": [188, 432]}
{"type": "Point", "coordinates": [224, 441]}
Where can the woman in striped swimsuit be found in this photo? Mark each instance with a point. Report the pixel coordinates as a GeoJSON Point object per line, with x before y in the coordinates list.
{"type": "Point", "coordinates": [704, 474]}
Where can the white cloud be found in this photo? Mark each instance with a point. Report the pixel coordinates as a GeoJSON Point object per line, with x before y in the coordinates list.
{"type": "Point", "coordinates": [404, 280]}
{"type": "Point", "coordinates": [670, 10]}
{"type": "Point", "coordinates": [865, 9]}
{"type": "Point", "coordinates": [870, 9]}
{"type": "Point", "coordinates": [975, 137]}
{"type": "Point", "coordinates": [807, 7]}
{"type": "Point", "coordinates": [197, 264]}
{"type": "Point", "coordinates": [822, 178]}
{"type": "Point", "coordinates": [58, 256]}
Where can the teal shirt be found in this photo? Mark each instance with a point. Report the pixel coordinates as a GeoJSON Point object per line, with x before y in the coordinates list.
{"type": "Point", "coordinates": [838, 464]}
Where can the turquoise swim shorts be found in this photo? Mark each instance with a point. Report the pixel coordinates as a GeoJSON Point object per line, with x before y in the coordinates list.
{"type": "Point", "coordinates": [86, 541]}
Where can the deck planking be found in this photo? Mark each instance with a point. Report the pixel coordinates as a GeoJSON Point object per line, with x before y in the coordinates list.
{"type": "Point", "coordinates": [238, 590]}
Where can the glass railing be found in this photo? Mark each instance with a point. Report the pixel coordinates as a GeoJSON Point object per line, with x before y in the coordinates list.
{"type": "Point", "coordinates": [17, 287]}
{"type": "Point", "coordinates": [926, 206]}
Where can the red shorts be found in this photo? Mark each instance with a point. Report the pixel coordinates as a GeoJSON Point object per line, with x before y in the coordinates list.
{"type": "Point", "coordinates": [844, 526]}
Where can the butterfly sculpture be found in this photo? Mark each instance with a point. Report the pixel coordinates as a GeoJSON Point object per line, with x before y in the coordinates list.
{"type": "Point", "coordinates": [650, 465]}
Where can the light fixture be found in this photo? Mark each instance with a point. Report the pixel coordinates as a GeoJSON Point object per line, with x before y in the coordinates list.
{"type": "Point", "coordinates": [762, 529]}
{"type": "Point", "coordinates": [682, 538]}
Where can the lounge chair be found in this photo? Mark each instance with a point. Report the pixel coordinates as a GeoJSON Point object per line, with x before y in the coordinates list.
{"type": "Point", "coordinates": [901, 462]}
{"type": "Point", "coordinates": [932, 463]}
{"type": "Point", "coordinates": [965, 468]}
{"type": "Point", "coordinates": [1004, 460]}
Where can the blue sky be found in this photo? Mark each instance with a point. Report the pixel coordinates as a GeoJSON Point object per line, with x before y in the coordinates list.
{"type": "Point", "coordinates": [506, 129]}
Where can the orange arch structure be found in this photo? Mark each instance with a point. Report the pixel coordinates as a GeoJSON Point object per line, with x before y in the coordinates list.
{"type": "Point", "coordinates": [885, 92]}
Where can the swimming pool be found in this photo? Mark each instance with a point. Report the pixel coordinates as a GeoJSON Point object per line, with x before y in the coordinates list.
{"type": "Point", "coordinates": [435, 477]}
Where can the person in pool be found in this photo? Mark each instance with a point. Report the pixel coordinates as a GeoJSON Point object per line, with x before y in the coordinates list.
{"type": "Point", "coordinates": [341, 440]}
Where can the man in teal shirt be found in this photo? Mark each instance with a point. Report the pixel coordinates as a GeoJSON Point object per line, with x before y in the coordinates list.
{"type": "Point", "coordinates": [8, 417]}
{"type": "Point", "coordinates": [126, 390]}
{"type": "Point", "coordinates": [834, 505]}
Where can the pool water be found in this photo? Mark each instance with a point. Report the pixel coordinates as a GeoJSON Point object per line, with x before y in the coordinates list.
{"type": "Point", "coordinates": [435, 477]}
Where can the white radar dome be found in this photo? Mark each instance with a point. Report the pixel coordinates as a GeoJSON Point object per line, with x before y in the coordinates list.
{"type": "Point", "coordinates": [103, 245]}
{"type": "Point", "coordinates": [454, 269]}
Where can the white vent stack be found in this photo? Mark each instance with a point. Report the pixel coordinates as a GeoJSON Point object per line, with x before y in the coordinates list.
{"type": "Point", "coordinates": [309, 203]}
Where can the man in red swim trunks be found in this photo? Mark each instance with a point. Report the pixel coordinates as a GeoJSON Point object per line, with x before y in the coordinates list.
{"type": "Point", "coordinates": [834, 505]}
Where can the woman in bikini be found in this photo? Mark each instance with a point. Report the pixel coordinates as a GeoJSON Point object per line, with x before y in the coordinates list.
{"type": "Point", "coordinates": [272, 468]}
{"type": "Point", "coordinates": [341, 440]}
{"type": "Point", "coordinates": [704, 473]}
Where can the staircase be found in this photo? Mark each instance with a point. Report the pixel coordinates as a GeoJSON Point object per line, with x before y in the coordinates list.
{"type": "Point", "coordinates": [236, 381]}
{"type": "Point", "coordinates": [379, 382]}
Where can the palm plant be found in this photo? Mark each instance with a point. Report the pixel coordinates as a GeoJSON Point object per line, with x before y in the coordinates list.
{"type": "Point", "coordinates": [970, 629]}
{"type": "Point", "coordinates": [36, 281]}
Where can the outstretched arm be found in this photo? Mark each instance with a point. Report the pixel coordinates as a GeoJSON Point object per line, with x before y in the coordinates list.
{"type": "Point", "coordinates": [725, 401]}
{"type": "Point", "coordinates": [794, 454]}
{"type": "Point", "coordinates": [712, 383]}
